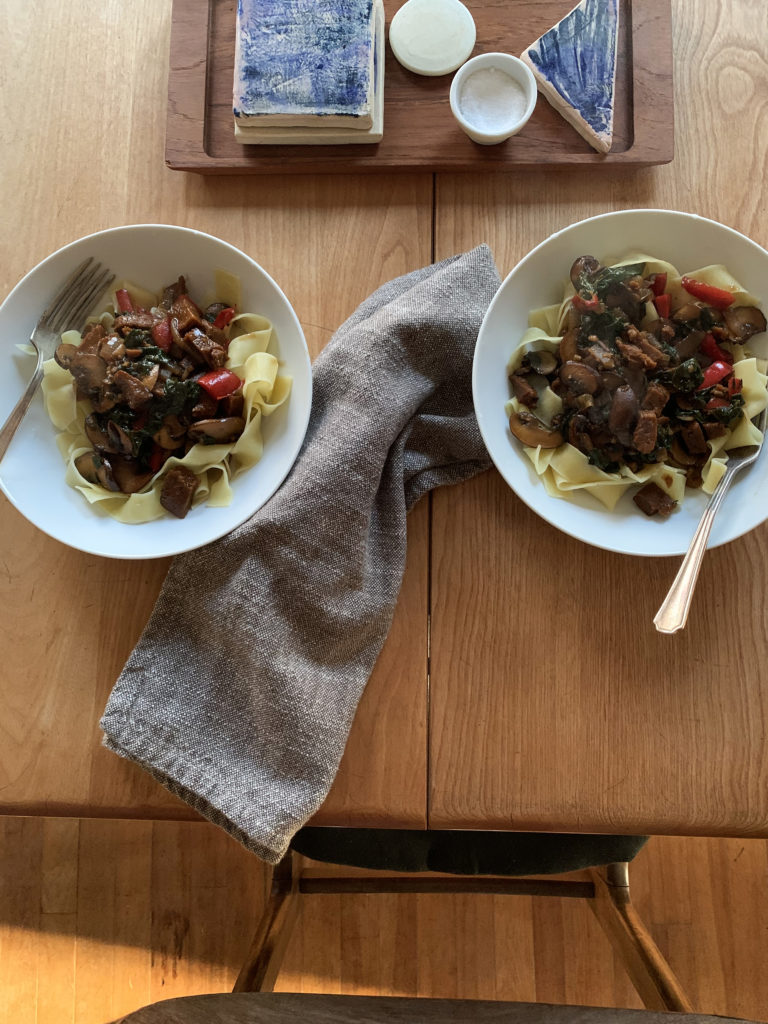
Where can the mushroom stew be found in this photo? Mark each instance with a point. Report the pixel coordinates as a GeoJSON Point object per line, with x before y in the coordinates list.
{"type": "Point", "coordinates": [157, 384]}
{"type": "Point", "coordinates": [642, 378]}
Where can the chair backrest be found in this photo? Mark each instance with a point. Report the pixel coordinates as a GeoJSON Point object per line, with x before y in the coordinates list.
{"type": "Point", "coordinates": [283, 1008]}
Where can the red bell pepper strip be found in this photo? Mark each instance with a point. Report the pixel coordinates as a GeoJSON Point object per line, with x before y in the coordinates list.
{"type": "Point", "coordinates": [219, 383]}
{"type": "Point", "coordinates": [157, 458]}
{"type": "Point", "coordinates": [735, 385]}
{"type": "Point", "coordinates": [713, 374]}
{"type": "Point", "coordinates": [717, 297]}
{"type": "Point", "coordinates": [659, 284]}
{"type": "Point", "coordinates": [710, 348]}
{"type": "Point", "coordinates": [663, 304]}
{"type": "Point", "coordinates": [589, 305]}
{"type": "Point", "coordinates": [717, 403]}
{"type": "Point", "coordinates": [124, 303]}
{"type": "Point", "coordinates": [224, 317]}
{"type": "Point", "coordinates": [161, 334]}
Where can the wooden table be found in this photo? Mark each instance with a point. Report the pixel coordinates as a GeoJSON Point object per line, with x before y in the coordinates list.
{"type": "Point", "coordinates": [547, 701]}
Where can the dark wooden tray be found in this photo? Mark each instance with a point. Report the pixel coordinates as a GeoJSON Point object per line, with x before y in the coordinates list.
{"type": "Point", "coordinates": [419, 130]}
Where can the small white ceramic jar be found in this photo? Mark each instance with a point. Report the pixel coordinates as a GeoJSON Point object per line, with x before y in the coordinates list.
{"type": "Point", "coordinates": [493, 96]}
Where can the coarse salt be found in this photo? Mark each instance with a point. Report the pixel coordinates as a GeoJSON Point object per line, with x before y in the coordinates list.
{"type": "Point", "coordinates": [491, 100]}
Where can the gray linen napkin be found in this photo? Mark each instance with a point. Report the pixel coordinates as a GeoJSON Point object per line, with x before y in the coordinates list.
{"type": "Point", "coordinates": [241, 691]}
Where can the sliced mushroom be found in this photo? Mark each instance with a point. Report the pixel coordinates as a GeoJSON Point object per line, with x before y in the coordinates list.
{"type": "Point", "coordinates": [680, 455]}
{"type": "Point", "coordinates": [150, 379]}
{"type": "Point", "coordinates": [133, 391]}
{"type": "Point", "coordinates": [623, 414]}
{"type": "Point", "coordinates": [98, 437]}
{"type": "Point", "coordinates": [579, 378]}
{"type": "Point", "coordinates": [89, 371]}
{"type": "Point", "coordinates": [64, 354]}
{"type": "Point", "coordinates": [532, 432]}
{"type": "Point", "coordinates": [96, 470]}
{"type": "Point", "coordinates": [214, 309]}
{"type": "Point", "coordinates": [689, 345]}
{"type": "Point", "coordinates": [217, 431]}
{"type": "Point", "coordinates": [171, 434]}
{"type": "Point", "coordinates": [129, 475]}
{"type": "Point", "coordinates": [742, 322]}
{"type": "Point", "coordinates": [119, 441]}
{"type": "Point", "coordinates": [541, 361]}
{"type": "Point", "coordinates": [586, 266]}
{"type": "Point", "coordinates": [687, 313]}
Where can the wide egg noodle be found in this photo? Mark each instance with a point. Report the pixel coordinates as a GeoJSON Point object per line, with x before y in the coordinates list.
{"type": "Point", "coordinates": [214, 465]}
{"type": "Point", "coordinates": [566, 470]}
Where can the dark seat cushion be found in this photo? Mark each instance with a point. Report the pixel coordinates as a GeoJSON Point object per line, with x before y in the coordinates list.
{"type": "Point", "coordinates": [279, 1008]}
{"type": "Point", "coordinates": [464, 852]}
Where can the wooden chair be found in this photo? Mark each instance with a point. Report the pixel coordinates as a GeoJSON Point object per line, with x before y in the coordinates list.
{"type": "Point", "coordinates": [442, 862]}
{"type": "Point", "coordinates": [284, 1008]}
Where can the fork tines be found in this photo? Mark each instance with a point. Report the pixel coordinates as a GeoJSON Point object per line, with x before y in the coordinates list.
{"type": "Point", "coordinates": [76, 298]}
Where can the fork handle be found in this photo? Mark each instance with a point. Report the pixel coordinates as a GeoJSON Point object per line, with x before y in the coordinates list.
{"type": "Point", "coordinates": [11, 425]}
{"type": "Point", "coordinates": [673, 613]}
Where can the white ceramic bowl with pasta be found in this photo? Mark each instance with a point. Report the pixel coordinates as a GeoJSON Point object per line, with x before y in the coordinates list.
{"type": "Point", "coordinates": [32, 474]}
{"type": "Point", "coordinates": [688, 242]}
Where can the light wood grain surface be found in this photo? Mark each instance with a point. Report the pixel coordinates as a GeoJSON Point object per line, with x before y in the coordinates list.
{"type": "Point", "coordinates": [98, 918]}
{"type": "Point", "coordinates": [553, 699]}
{"type": "Point", "coordinates": [70, 620]}
{"type": "Point", "coordinates": [551, 704]}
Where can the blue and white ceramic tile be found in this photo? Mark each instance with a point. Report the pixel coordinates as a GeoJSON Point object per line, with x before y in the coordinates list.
{"type": "Point", "coordinates": [578, 59]}
{"type": "Point", "coordinates": [304, 57]}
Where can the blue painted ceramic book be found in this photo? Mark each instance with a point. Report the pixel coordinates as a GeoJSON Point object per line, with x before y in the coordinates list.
{"type": "Point", "coordinates": [304, 63]}
{"type": "Point", "coordinates": [574, 64]}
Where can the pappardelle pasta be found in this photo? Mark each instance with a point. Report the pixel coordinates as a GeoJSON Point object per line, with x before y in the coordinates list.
{"type": "Point", "coordinates": [639, 378]}
{"type": "Point", "coordinates": [160, 401]}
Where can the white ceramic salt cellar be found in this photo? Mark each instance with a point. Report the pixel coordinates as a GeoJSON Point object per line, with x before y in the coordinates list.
{"type": "Point", "coordinates": [492, 97]}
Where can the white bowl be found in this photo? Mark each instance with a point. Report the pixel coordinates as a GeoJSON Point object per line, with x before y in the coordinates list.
{"type": "Point", "coordinates": [485, 121]}
{"type": "Point", "coordinates": [688, 242]}
{"type": "Point", "coordinates": [32, 472]}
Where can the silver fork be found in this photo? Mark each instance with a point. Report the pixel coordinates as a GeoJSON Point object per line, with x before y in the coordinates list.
{"type": "Point", "coordinates": [67, 311]}
{"type": "Point", "coordinates": [673, 613]}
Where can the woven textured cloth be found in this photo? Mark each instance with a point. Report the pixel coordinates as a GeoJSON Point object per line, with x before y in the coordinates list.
{"type": "Point", "coordinates": [241, 691]}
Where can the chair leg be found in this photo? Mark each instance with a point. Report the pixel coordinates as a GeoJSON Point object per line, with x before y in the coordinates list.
{"type": "Point", "coordinates": [649, 972]}
{"type": "Point", "coordinates": [262, 965]}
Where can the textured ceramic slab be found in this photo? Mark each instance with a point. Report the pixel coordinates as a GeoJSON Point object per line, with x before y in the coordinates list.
{"type": "Point", "coordinates": [333, 135]}
{"type": "Point", "coordinates": [302, 62]}
{"type": "Point", "coordinates": [575, 67]}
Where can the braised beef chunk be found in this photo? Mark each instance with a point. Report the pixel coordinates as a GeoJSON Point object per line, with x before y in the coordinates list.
{"type": "Point", "coordinates": [134, 321]}
{"type": "Point", "coordinates": [524, 392]}
{"type": "Point", "coordinates": [646, 431]}
{"type": "Point", "coordinates": [656, 397]}
{"type": "Point", "coordinates": [694, 439]}
{"type": "Point", "coordinates": [210, 352]}
{"type": "Point", "coordinates": [653, 501]}
{"type": "Point", "coordinates": [205, 407]}
{"type": "Point", "coordinates": [178, 490]}
{"type": "Point", "coordinates": [186, 313]}
{"type": "Point", "coordinates": [232, 405]}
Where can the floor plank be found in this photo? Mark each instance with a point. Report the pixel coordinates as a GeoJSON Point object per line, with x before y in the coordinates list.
{"type": "Point", "coordinates": [100, 917]}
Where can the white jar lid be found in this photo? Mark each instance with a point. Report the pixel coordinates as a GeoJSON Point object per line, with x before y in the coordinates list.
{"type": "Point", "coordinates": [432, 37]}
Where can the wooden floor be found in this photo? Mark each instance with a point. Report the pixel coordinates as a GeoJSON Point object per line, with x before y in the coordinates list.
{"type": "Point", "coordinates": [100, 917]}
